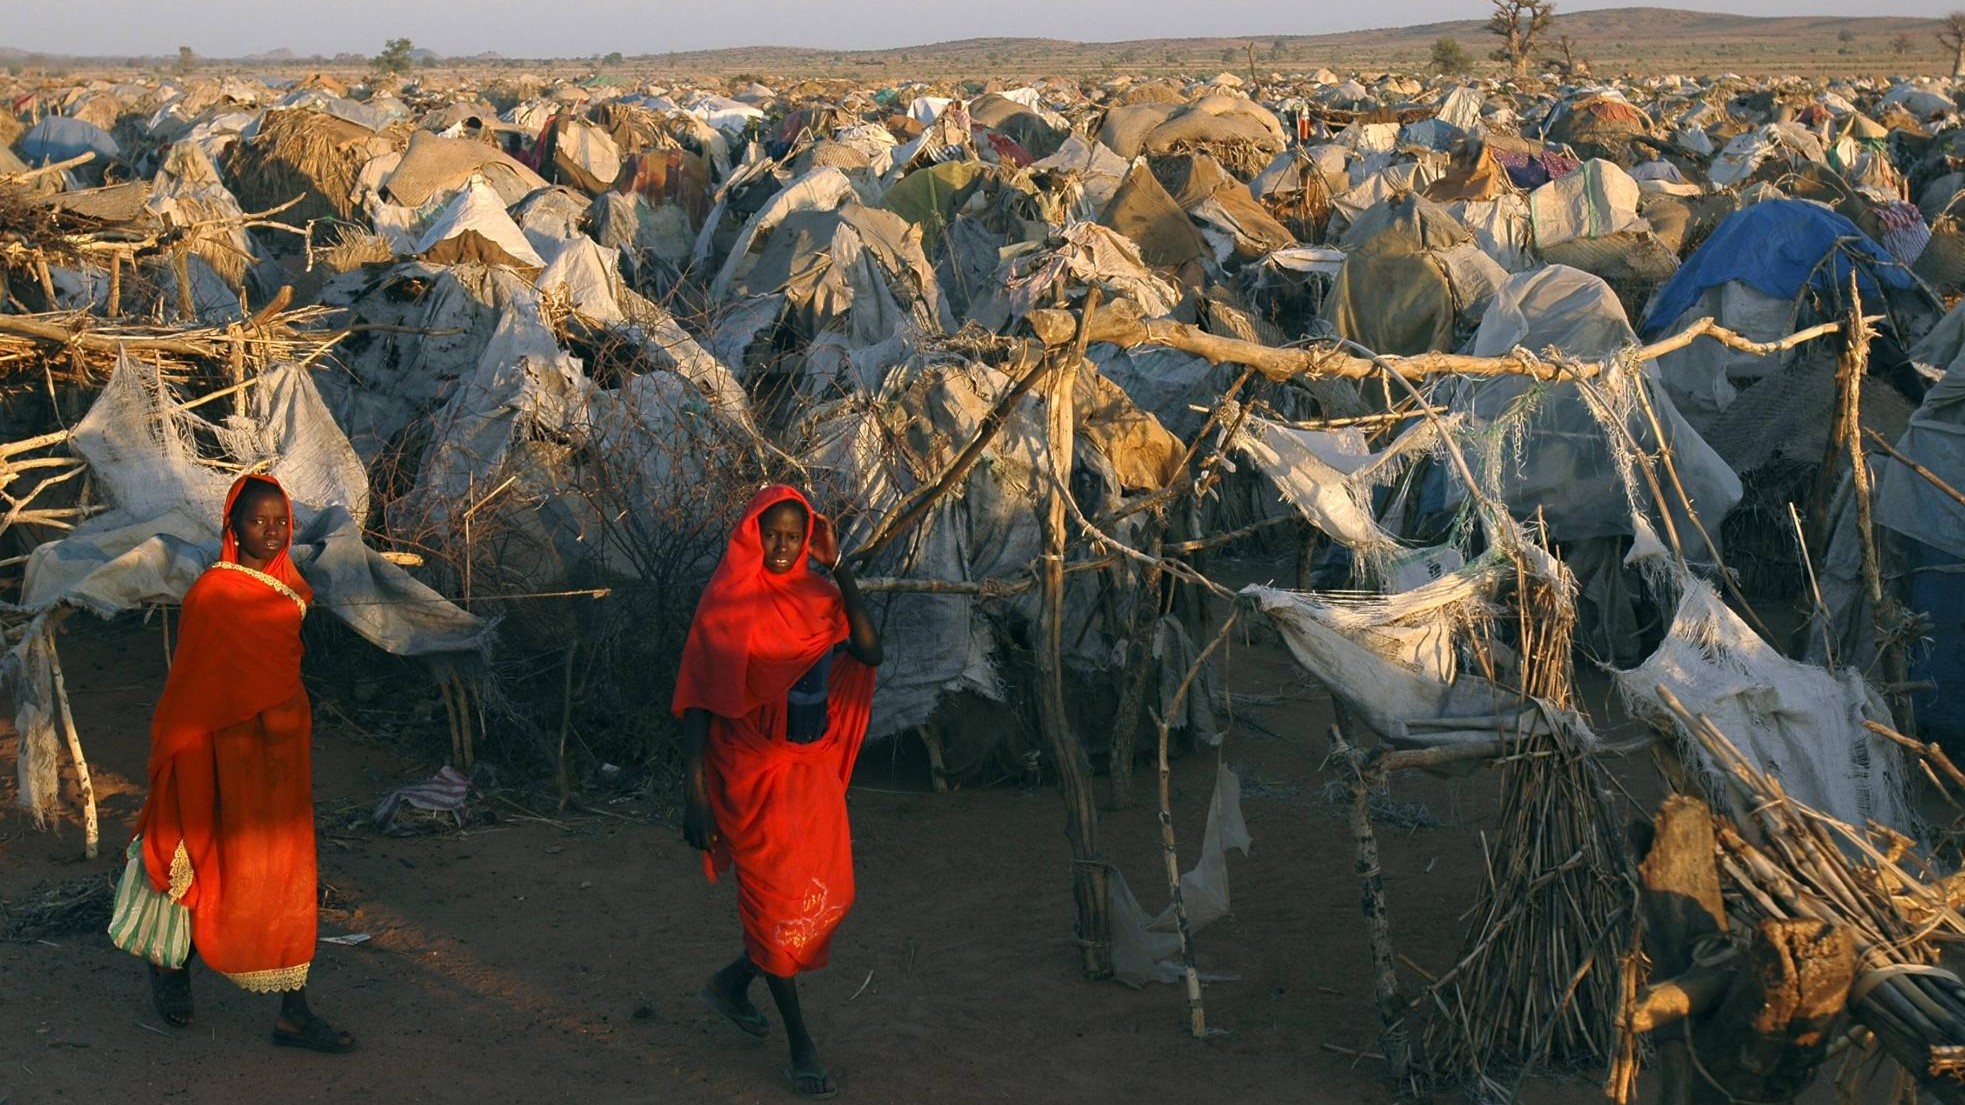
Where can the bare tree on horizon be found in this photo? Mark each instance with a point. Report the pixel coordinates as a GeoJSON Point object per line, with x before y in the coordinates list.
{"type": "Point", "coordinates": [1951, 32]}
{"type": "Point", "coordinates": [1518, 23]}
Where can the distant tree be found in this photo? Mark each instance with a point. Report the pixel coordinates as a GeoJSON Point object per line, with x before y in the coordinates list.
{"type": "Point", "coordinates": [1278, 49]}
{"type": "Point", "coordinates": [1228, 55]}
{"type": "Point", "coordinates": [1569, 64]}
{"type": "Point", "coordinates": [1845, 35]}
{"type": "Point", "coordinates": [614, 58]}
{"type": "Point", "coordinates": [187, 59]}
{"type": "Point", "coordinates": [1902, 44]}
{"type": "Point", "coordinates": [1951, 32]}
{"type": "Point", "coordinates": [395, 56]}
{"type": "Point", "coordinates": [1518, 23]}
{"type": "Point", "coordinates": [1451, 57]}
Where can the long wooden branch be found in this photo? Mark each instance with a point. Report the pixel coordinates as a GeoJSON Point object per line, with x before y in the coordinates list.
{"type": "Point", "coordinates": [1120, 324]}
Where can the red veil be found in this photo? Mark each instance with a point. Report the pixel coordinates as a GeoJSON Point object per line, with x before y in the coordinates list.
{"type": "Point", "coordinates": [780, 808]}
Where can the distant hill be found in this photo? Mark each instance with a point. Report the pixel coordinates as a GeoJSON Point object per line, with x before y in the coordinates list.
{"type": "Point", "coordinates": [1640, 39]}
{"type": "Point", "coordinates": [1613, 40]}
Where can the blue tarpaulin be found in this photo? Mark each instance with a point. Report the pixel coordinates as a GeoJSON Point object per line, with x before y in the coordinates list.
{"type": "Point", "coordinates": [1775, 247]}
{"type": "Point", "coordinates": [58, 138]}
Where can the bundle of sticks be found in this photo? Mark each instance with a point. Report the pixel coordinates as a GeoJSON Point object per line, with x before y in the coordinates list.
{"type": "Point", "coordinates": [1821, 886]}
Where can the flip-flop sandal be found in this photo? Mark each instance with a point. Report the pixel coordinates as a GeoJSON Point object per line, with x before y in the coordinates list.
{"type": "Point", "coordinates": [318, 1035]}
{"type": "Point", "coordinates": [170, 994]}
{"type": "Point", "coordinates": [753, 1022]}
{"type": "Point", "coordinates": [820, 1082]}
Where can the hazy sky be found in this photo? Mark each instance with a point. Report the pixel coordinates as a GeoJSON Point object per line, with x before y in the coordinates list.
{"type": "Point", "coordinates": [528, 28]}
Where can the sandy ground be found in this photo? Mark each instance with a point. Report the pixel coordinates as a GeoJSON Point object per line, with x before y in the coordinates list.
{"type": "Point", "coordinates": [533, 962]}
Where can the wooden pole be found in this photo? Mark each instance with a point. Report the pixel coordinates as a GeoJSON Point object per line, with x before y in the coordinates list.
{"type": "Point", "coordinates": [1088, 875]}
{"type": "Point", "coordinates": [91, 830]}
{"type": "Point", "coordinates": [1131, 712]}
{"type": "Point", "coordinates": [1197, 1017]}
{"type": "Point", "coordinates": [115, 284]}
{"type": "Point", "coordinates": [1121, 325]}
{"type": "Point", "coordinates": [1378, 924]}
{"type": "Point", "coordinates": [1853, 366]}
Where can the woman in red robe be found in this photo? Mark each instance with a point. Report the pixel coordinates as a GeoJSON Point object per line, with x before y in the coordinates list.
{"type": "Point", "coordinates": [228, 828]}
{"type": "Point", "coordinates": [774, 694]}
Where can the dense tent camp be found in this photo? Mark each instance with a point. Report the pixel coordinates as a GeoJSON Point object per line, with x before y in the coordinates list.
{"type": "Point", "coordinates": [1207, 450]}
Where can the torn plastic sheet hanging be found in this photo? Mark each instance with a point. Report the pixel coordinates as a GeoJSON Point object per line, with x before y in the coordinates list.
{"type": "Point", "coordinates": [1795, 721]}
{"type": "Point", "coordinates": [1329, 475]}
{"type": "Point", "coordinates": [1571, 460]}
{"type": "Point", "coordinates": [1146, 947]}
{"type": "Point", "coordinates": [162, 532]}
{"type": "Point", "coordinates": [1391, 661]}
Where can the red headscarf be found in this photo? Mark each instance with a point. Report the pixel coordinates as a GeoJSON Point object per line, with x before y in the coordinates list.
{"type": "Point", "coordinates": [756, 632]}
{"type": "Point", "coordinates": [238, 655]}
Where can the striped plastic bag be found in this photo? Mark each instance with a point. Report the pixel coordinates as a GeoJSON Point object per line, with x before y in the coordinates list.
{"type": "Point", "coordinates": [146, 923]}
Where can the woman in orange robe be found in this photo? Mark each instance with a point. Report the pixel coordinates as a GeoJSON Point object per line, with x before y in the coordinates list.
{"type": "Point", "coordinates": [228, 828]}
{"type": "Point", "coordinates": [774, 695]}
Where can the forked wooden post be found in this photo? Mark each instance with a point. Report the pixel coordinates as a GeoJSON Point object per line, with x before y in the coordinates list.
{"type": "Point", "coordinates": [1886, 619]}
{"type": "Point", "coordinates": [1089, 884]}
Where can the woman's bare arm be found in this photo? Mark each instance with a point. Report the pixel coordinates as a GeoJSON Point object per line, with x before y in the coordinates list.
{"type": "Point", "coordinates": [697, 821]}
{"type": "Point", "coordinates": [863, 637]}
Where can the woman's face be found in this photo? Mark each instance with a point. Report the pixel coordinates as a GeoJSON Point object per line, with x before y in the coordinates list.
{"type": "Point", "coordinates": [259, 524]}
{"type": "Point", "coordinates": [783, 530]}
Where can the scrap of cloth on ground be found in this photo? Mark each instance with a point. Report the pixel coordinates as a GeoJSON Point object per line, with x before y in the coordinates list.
{"type": "Point", "coordinates": [228, 827]}
{"type": "Point", "coordinates": [779, 805]}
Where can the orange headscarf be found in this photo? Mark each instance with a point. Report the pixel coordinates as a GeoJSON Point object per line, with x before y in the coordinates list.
{"type": "Point", "coordinates": [755, 633]}
{"type": "Point", "coordinates": [238, 655]}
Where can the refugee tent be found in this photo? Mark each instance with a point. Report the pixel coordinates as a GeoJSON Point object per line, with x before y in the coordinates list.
{"type": "Point", "coordinates": [1414, 285]}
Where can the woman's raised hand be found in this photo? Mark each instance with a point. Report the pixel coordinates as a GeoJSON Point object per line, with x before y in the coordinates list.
{"type": "Point", "coordinates": [824, 548]}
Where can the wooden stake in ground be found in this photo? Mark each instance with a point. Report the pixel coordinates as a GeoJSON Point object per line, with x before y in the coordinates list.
{"type": "Point", "coordinates": [1197, 1017]}
{"type": "Point", "coordinates": [1378, 925]}
{"type": "Point", "coordinates": [91, 831]}
{"type": "Point", "coordinates": [1089, 885]}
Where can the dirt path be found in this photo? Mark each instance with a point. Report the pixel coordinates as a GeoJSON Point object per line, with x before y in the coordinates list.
{"type": "Point", "coordinates": [523, 962]}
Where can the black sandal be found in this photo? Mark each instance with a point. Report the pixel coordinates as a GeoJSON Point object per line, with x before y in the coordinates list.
{"type": "Point", "coordinates": [812, 1083]}
{"type": "Point", "coordinates": [170, 994]}
{"type": "Point", "coordinates": [315, 1035]}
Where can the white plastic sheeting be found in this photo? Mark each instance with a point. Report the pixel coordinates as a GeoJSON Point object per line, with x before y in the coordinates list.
{"type": "Point", "coordinates": [1146, 947]}
{"type": "Point", "coordinates": [1795, 721]}
{"type": "Point", "coordinates": [1574, 462]}
{"type": "Point", "coordinates": [479, 210]}
{"type": "Point", "coordinates": [1329, 475]}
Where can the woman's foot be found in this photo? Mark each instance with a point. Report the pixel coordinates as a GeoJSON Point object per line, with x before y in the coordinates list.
{"type": "Point", "coordinates": [311, 1032]}
{"type": "Point", "coordinates": [810, 1080]}
{"type": "Point", "coordinates": [170, 993]}
{"type": "Point", "coordinates": [739, 1010]}
{"type": "Point", "coordinates": [729, 993]}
